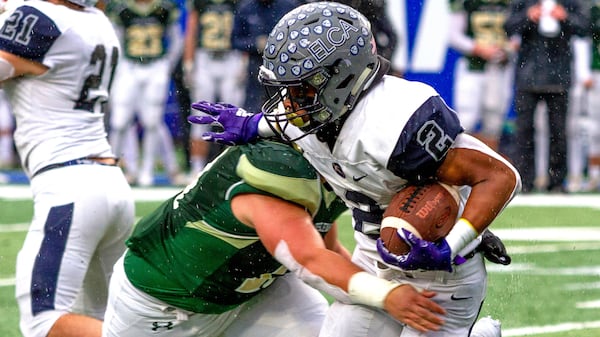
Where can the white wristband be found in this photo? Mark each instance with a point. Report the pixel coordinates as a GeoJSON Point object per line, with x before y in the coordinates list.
{"type": "Point", "coordinates": [460, 236]}
{"type": "Point", "coordinates": [367, 289]}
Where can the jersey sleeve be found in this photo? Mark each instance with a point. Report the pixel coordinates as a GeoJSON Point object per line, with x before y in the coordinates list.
{"type": "Point", "coordinates": [28, 33]}
{"type": "Point", "coordinates": [425, 141]}
{"type": "Point", "coordinates": [279, 171]}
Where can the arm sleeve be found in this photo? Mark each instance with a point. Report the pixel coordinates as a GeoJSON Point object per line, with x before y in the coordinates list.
{"type": "Point", "coordinates": [457, 37]}
{"type": "Point", "coordinates": [175, 44]}
{"type": "Point", "coordinates": [582, 51]}
{"type": "Point", "coordinates": [425, 141]}
{"type": "Point", "coordinates": [17, 37]}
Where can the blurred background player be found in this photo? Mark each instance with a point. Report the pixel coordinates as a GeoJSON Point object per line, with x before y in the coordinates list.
{"type": "Point", "coordinates": [152, 42]}
{"type": "Point", "coordinates": [227, 256]}
{"type": "Point", "coordinates": [584, 118]}
{"type": "Point", "coordinates": [7, 124]}
{"type": "Point", "coordinates": [483, 75]}
{"type": "Point", "coordinates": [212, 69]}
{"type": "Point", "coordinates": [252, 24]}
{"type": "Point", "coordinates": [544, 74]}
{"type": "Point", "coordinates": [57, 80]}
{"type": "Point", "coordinates": [382, 25]}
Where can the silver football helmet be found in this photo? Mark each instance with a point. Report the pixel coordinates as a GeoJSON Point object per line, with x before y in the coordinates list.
{"type": "Point", "coordinates": [317, 61]}
{"type": "Point", "coordinates": [84, 3]}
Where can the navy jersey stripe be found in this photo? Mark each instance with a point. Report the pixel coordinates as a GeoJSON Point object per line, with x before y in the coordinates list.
{"type": "Point", "coordinates": [425, 140]}
{"type": "Point", "coordinates": [49, 258]}
{"type": "Point", "coordinates": [28, 33]}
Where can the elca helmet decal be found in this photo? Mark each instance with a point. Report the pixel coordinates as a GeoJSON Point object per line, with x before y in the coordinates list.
{"type": "Point", "coordinates": [329, 38]}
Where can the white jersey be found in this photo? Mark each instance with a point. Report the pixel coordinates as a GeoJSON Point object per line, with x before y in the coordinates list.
{"type": "Point", "coordinates": [399, 131]}
{"type": "Point", "coordinates": [60, 114]}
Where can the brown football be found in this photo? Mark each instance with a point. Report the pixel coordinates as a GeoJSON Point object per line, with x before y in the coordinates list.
{"type": "Point", "coordinates": [429, 211]}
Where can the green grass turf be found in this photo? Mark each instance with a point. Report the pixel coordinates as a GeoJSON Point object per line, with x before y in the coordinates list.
{"type": "Point", "coordinates": [538, 289]}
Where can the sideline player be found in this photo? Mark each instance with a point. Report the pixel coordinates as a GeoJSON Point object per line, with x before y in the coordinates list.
{"type": "Point", "coordinates": [483, 75]}
{"type": "Point", "coordinates": [152, 42]}
{"type": "Point", "coordinates": [56, 64]}
{"type": "Point", "coordinates": [584, 114]}
{"type": "Point", "coordinates": [369, 134]}
{"type": "Point", "coordinates": [212, 69]}
{"type": "Point", "coordinates": [213, 259]}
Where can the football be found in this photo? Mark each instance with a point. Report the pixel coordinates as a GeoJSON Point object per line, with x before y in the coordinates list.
{"type": "Point", "coordinates": [429, 211]}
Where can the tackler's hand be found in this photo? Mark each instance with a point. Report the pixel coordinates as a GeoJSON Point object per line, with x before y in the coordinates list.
{"type": "Point", "coordinates": [239, 126]}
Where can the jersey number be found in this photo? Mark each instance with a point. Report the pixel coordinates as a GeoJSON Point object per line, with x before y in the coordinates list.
{"type": "Point", "coordinates": [216, 32]}
{"type": "Point", "coordinates": [22, 34]}
{"type": "Point", "coordinates": [433, 139]}
{"type": "Point", "coordinates": [87, 100]}
{"type": "Point", "coordinates": [255, 284]}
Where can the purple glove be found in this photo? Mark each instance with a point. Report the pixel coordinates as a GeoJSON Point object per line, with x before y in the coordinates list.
{"type": "Point", "coordinates": [423, 254]}
{"type": "Point", "coordinates": [239, 126]}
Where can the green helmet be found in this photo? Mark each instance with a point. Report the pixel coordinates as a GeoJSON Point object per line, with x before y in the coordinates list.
{"type": "Point", "coordinates": [327, 46]}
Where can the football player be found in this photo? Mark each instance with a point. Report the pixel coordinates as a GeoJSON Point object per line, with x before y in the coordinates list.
{"type": "Point", "coordinates": [57, 58]}
{"type": "Point", "coordinates": [152, 43]}
{"type": "Point", "coordinates": [368, 134]}
{"type": "Point", "coordinates": [584, 114]}
{"type": "Point", "coordinates": [212, 69]}
{"type": "Point", "coordinates": [213, 260]}
{"type": "Point", "coordinates": [483, 75]}
{"type": "Point", "coordinates": [7, 125]}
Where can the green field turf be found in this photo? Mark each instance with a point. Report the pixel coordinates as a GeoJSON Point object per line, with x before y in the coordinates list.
{"type": "Point", "coordinates": [551, 289]}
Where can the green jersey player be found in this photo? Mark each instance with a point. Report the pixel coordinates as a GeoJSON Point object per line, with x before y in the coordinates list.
{"type": "Point", "coordinates": [228, 254]}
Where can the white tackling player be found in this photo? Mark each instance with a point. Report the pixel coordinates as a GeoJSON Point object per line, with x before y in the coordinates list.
{"type": "Point", "coordinates": [152, 43]}
{"type": "Point", "coordinates": [483, 75]}
{"type": "Point", "coordinates": [368, 134]}
{"type": "Point", "coordinates": [56, 64]}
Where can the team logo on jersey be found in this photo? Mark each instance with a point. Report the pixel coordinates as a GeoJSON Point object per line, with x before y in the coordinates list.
{"type": "Point", "coordinates": [338, 169]}
{"type": "Point", "coordinates": [162, 325]}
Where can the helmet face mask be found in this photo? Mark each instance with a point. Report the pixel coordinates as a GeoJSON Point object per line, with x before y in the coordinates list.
{"type": "Point", "coordinates": [296, 103]}
{"type": "Point", "coordinates": [325, 46]}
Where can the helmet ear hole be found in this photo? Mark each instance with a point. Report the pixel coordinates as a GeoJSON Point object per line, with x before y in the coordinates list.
{"type": "Point", "coordinates": [345, 82]}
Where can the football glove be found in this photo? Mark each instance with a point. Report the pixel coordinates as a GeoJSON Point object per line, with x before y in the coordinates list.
{"type": "Point", "coordinates": [493, 249]}
{"type": "Point", "coordinates": [239, 126]}
{"type": "Point", "coordinates": [423, 254]}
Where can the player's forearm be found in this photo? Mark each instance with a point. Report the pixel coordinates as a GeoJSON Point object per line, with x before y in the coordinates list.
{"type": "Point", "coordinates": [335, 270]}
{"type": "Point", "coordinates": [489, 197]}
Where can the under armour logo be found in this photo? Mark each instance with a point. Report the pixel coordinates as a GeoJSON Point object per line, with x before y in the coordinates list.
{"type": "Point", "coordinates": [162, 325]}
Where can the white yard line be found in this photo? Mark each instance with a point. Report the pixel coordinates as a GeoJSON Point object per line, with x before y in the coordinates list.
{"type": "Point", "coordinates": [18, 192]}
{"type": "Point", "coordinates": [22, 192]}
{"type": "Point", "coordinates": [540, 330]}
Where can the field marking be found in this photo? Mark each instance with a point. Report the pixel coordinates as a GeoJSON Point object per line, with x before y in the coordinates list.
{"type": "Point", "coordinates": [23, 192]}
{"type": "Point", "coordinates": [568, 234]}
{"type": "Point", "coordinates": [539, 330]}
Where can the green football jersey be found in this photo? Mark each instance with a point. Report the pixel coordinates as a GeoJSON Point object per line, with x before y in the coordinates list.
{"type": "Point", "coordinates": [215, 23]}
{"type": "Point", "coordinates": [595, 30]}
{"type": "Point", "coordinates": [144, 26]}
{"type": "Point", "coordinates": [192, 253]}
{"type": "Point", "coordinates": [485, 23]}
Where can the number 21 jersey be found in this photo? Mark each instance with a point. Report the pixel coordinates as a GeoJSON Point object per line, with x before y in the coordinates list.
{"type": "Point", "coordinates": [60, 114]}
